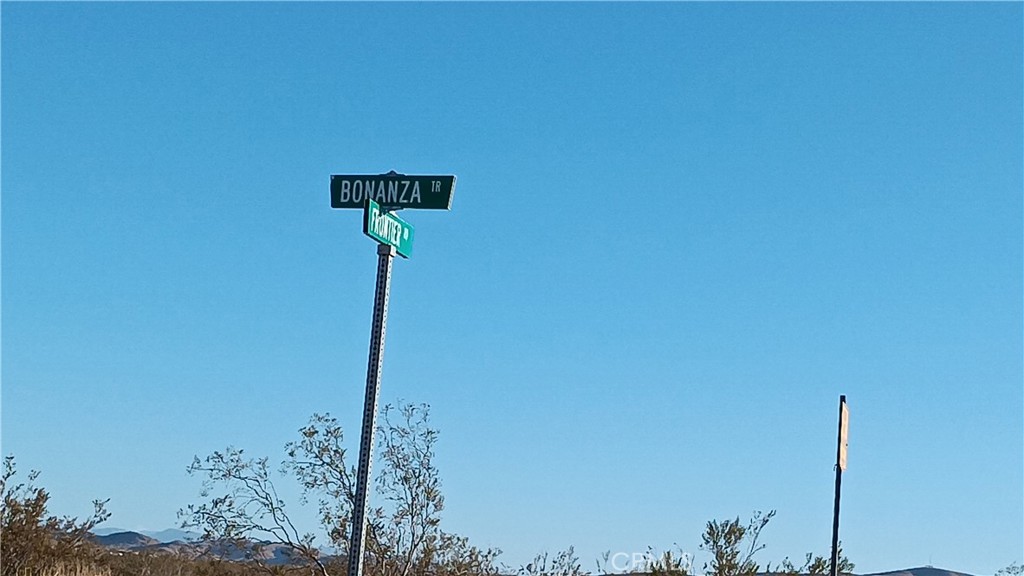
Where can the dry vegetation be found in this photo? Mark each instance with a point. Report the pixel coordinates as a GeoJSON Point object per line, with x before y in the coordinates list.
{"type": "Point", "coordinates": [239, 508]}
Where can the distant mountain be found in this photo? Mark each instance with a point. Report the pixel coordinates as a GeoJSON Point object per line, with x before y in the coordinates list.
{"type": "Point", "coordinates": [270, 553]}
{"type": "Point", "coordinates": [172, 535]}
{"type": "Point", "coordinates": [108, 531]}
{"type": "Point", "coordinates": [125, 540]}
{"type": "Point", "coordinates": [921, 571]}
{"type": "Point", "coordinates": [168, 535]}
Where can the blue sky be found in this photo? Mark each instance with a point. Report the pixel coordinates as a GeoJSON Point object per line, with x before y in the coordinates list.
{"type": "Point", "coordinates": [680, 231]}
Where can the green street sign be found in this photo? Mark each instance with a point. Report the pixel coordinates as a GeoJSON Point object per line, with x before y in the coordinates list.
{"type": "Point", "coordinates": [386, 228]}
{"type": "Point", "coordinates": [392, 190]}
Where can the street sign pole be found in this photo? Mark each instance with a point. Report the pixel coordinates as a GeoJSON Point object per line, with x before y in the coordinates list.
{"type": "Point", "coordinates": [385, 257]}
{"type": "Point", "coordinates": [379, 196]}
{"type": "Point", "coordinates": [844, 419]}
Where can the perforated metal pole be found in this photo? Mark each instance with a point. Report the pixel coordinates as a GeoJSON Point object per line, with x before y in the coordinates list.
{"type": "Point", "coordinates": [385, 256]}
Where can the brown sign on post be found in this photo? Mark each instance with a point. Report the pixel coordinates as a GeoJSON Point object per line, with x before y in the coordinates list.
{"type": "Point", "coordinates": [844, 430]}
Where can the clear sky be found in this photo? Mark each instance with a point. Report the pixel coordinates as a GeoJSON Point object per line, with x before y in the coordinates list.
{"type": "Point", "coordinates": [680, 231]}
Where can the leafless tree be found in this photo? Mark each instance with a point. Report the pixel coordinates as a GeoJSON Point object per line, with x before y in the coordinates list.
{"type": "Point", "coordinates": [243, 510]}
{"type": "Point", "coordinates": [403, 533]}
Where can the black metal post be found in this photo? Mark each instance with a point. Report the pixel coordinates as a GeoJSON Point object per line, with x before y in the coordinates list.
{"type": "Point", "coordinates": [357, 542]}
{"type": "Point", "coordinates": [840, 464]}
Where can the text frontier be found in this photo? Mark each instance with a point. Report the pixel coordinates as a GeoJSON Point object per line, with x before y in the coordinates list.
{"type": "Point", "coordinates": [389, 228]}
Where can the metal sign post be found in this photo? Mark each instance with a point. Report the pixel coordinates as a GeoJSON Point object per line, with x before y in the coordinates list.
{"type": "Point", "coordinates": [379, 196]}
{"type": "Point", "coordinates": [385, 256]}
{"type": "Point", "coordinates": [844, 426]}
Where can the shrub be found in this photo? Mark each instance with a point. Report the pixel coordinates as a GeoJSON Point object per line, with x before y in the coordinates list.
{"type": "Point", "coordinates": [34, 543]}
